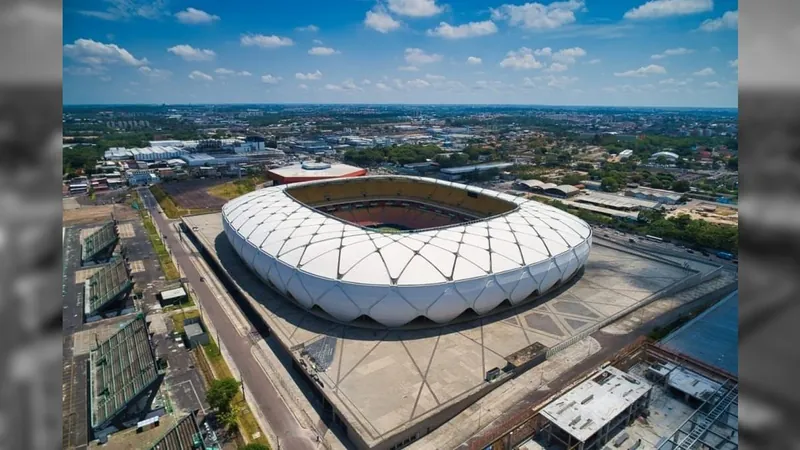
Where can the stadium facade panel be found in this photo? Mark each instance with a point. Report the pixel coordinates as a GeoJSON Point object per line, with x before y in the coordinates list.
{"type": "Point", "coordinates": [318, 259]}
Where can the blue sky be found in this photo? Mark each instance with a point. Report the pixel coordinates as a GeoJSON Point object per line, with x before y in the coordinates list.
{"type": "Point", "coordinates": [622, 53]}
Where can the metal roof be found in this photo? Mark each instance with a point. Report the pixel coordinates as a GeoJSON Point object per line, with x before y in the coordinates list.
{"type": "Point", "coordinates": [106, 285]}
{"type": "Point", "coordinates": [476, 265]}
{"type": "Point", "coordinates": [711, 337]}
{"type": "Point", "coordinates": [121, 368]}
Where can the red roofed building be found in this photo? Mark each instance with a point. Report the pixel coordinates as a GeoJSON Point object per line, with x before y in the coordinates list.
{"type": "Point", "coordinates": [310, 171]}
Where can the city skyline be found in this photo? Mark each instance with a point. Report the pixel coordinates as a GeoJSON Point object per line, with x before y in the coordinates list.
{"type": "Point", "coordinates": [661, 53]}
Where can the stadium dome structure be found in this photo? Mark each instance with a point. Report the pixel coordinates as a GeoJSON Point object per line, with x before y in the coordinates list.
{"type": "Point", "coordinates": [395, 249]}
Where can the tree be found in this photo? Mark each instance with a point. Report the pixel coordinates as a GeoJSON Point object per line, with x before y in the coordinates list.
{"type": "Point", "coordinates": [221, 392]}
{"type": "Point", "coordinates": [609, 184]}
{"type": "Point", "coordinates": [680, 186]}
{"type": "Point", "coordinates": [733, 163]}
{"type": "Point", "coordinates": [228, 418]}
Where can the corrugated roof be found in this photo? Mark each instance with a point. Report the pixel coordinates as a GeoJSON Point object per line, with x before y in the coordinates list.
{"type": "Point", "coordinates": [712, 337]}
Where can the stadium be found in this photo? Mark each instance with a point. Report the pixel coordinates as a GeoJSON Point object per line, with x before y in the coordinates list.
{"type": "Point", "coordinates": [403, 251]}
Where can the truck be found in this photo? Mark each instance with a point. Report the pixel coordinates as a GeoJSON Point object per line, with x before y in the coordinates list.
{"type": "Point", "coordinates": [725, 255]}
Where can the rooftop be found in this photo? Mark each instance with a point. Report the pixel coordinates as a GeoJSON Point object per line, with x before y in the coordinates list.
{"type": "Point", "coordinates": [185, 435]}
{"type": "Point", "coordinates": [301, 171]}
{"type": "Point", "coordinates": [99, 241]}
{"type": "Point", "coordinates": [475, 168]}
{"type": "Point", "coordinates": [615, 201]}
{"type": "Point", "coordinates": [106, 285]}
{"type": "Point", "coordinates": [588, 407]}
{"type": "Point", "coordinates": [712, 337]}
{"type": "Point", "coordinates": [173, 293]}
{"type": "Point", "coordinates": [120, 369]}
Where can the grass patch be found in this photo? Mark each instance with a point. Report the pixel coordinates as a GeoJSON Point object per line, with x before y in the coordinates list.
{"type": "Point", "coordinates": [167, 266]}
{"type": "Point", "coordinates": [236, 188]}
{"type": "Point", "coordinates": [177, 319]}
{"type": "Point", "coordinates": [168, 205]}
{"type": "Point", "coordinates": [215, 363]}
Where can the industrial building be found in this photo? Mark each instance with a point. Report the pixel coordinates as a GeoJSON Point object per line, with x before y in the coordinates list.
{"type": "Point", "coordinates": [106, 287]}
{"type": "Point", "coordinates": [617, 202]}
{"type": "Point", "coordinates": [188, 435]}
{"type": "Point", "coordinates": [455, 173]}
{"type": "Point", "coordinates": [155, 153]}
{"type": "Point", "coordinates": [124, 377]}
{"type": "Point", "coordinates": [98, 246]}
{"type": "Point", "coordinates": [562, 191]}
{"type": "Point", "coordinates": [309, 171]}
{"type": "Point", "coordinates": [656, 195]}
{"type": "Point", "coordinates": [587, 416]}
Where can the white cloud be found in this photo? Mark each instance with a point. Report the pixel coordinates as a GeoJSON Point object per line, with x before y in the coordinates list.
{"type": "Point", "coordinates": [270, 79]}
{"type": "Point", "coordinates": [96, 53]}
{"type": "Point", "coordinates": [317, 42]}
{"type": "Point", "coordinates": [260, 40]}
{"type": "Point", "coordinates": [557, 81]}
{"type": "Point", "coordinates": [435, 77]}
{"type": "Point", "coordinates": [594, 61]}
{"type": "Point", "coordinates": [415, 8]}
{"type": "Point", "coordinates": [568, 55]}
{"type": "Point", "coordinates": [308, 76]}
{"type": "Point", "coordinates": [734, 63]}
{"type": "Point", "coordinates": [538, 16]}
{"type": "Point", "coordinates": [189, 53]}
{"type": "Point", "coordinates": [129, 9]}
{"type": "Point", "coordinates": [672, 52]}
{"type": "Point", "coordinates": [556, 67]}
{"type": "Point", "coordinates": [224, 72]}
{"type": "Point", "coordinates": [302, 86]}
{"type": "Point", "coordinates": [158, 74]}
{"type": "Point", "coordinates": [322, 51]}
{"type": "Point", "coordinates": [192, 16]}
{"type": "Point", "coordinates": [417, 83]}
{"type": "Point", "coordinates": [310, 28]}
{"type": "Point", "coordinates": [713, 84]}
{"type": "Point", "coordinates": [715, 49]}
{"type": "Point", "coordinates": [87, 71]}
{"type": "Point", "coordinates": [675, 82]}
{"type": "Point", "coordinates": [408, 69]}
{"type": "Point", "coordinates": [728, 21]}
{"type": "Point", "coordinates": [200, 76]}
{"type": "Point", "coordinates": [346, 86]}
{"type": "Point", "coordinates": [467, 30]}
{"type": "Point", "coordinates": [379, 20]}
{"type": "Point", "coordinates": [366, 82]}
{"type": "Point", "coordinates": [474, 60]}
{"type": "Point", "coordinates": [521, 59]}
{"type": "Point", "coordinates": [708, 71]}
{"type": "Point", "coordinates": [652, 69]}
{"type": "Point", "coordinates": [656, 9]}
{"type": "Point", "coordinates": [383, 87]}
{"type": "Point", "coordinates": [417, 56]}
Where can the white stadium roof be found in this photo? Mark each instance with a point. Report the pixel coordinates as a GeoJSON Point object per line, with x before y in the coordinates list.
{"type": "Point", "coordinates": [349, 271]}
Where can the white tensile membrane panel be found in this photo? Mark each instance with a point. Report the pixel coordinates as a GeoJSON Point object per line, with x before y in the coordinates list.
{"type": "Point", "coordinates": [350, 271]}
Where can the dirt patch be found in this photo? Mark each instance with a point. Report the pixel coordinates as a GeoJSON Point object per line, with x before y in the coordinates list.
{"type": "Point", "coordinates": [193, 194]}
{"type": "Point", "coordinates": [98, 214]}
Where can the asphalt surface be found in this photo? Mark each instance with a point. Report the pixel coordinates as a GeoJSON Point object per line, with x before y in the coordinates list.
{"type": "Point", "coordinates": [289, 432]}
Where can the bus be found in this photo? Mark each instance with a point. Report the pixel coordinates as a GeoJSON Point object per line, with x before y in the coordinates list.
{"type": "Point", "coordinates": [653, 238]}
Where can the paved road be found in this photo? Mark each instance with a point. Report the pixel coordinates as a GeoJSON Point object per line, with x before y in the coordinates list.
{"type": "Point", "coordinates": [289, 432]}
